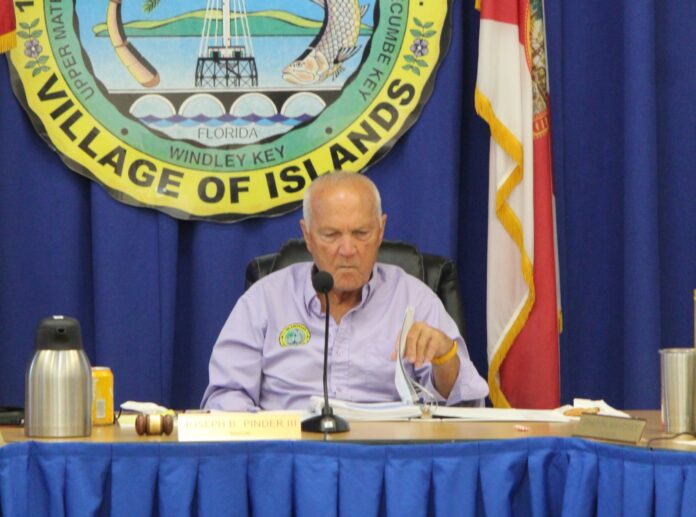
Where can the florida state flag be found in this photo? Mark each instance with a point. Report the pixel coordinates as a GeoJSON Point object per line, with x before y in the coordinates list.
{"type": "Point", "coordinates": [512, 96]}
{"type": "Point", "coordinates": [8, 38]}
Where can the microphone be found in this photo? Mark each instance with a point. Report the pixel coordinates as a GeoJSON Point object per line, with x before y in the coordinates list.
{"type": "Point", "coordinates": [327, 422]}
{"type": "Point", "coordinates": [322, 282]}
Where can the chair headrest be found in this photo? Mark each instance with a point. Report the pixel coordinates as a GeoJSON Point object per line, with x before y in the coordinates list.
{"type": "Point", "coordinates": [392, 252]}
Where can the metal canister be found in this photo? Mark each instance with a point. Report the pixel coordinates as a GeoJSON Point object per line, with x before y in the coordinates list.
{"type": "Point", "coordinates": [58, 382]}
{"type": "Point", "coordinates": [103, 396]}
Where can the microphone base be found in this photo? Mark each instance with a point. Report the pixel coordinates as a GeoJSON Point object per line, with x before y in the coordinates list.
{"type": "Point", "coordinates": [325, 424]}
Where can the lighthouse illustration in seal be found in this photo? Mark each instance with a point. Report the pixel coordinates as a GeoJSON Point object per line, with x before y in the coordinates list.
{"type": "Point", "coordinates": [226, 53]}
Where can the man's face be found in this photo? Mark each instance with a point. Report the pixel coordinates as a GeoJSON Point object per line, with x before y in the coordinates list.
{"type": "Point", "coordinates": [344, 234]}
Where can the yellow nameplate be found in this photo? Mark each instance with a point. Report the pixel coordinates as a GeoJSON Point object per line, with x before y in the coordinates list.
{"type": "Point", "coordinates": [610, 428]}
{"type": "Point", "coordinates": [2, 440]}
{"type": "Point", "coordinates": [215, 427]}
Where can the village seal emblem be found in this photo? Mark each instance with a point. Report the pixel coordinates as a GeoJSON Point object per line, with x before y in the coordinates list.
{"type": "Point", "coordinates": [227, 109]}
{"type": "Point", "coordinates": [295, 334]}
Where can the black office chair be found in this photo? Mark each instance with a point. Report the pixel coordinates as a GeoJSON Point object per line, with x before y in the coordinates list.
{"type": "Point", "coordinates": [437, 272]}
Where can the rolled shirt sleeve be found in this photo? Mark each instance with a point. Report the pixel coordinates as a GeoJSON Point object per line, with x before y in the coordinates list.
{"type": "Point", "coordinates": [469, 385]}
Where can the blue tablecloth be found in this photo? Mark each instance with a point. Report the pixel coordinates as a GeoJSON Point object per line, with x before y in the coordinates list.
{"type": "Point", "coordinates": [546, 476]}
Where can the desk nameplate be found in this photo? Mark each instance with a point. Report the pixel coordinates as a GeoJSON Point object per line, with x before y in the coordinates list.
{"type": "Point", "coordinates": [611, 428]}
{"type": "Point", "coordinates": [215, 427]}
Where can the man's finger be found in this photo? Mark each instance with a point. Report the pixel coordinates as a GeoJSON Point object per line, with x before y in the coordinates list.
{"type": "Point", "coordinates": [423, 344]}
{"type": "Point", "coordinates": [411, 351]}
{"type": "Point", "coordinates": [432, 348]}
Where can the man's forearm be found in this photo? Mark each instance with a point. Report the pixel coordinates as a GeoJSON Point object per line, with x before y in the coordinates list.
{"type": "Point", "coordinates": [445, 375]}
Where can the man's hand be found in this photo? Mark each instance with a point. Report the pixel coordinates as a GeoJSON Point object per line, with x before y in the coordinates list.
{"type": "Point", "coordinates": [423, 343]}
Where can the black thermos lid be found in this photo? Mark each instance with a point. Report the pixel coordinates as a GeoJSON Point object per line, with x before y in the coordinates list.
{"type": "Point", "coordinates": [58, 333]}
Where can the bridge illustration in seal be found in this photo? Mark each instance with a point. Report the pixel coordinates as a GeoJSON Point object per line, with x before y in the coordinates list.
{"type": "Point", "coordinates": [179, 102]}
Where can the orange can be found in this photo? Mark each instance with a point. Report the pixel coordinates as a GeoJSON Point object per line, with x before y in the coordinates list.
{"type": "Point", "coordinates": [102, 396]}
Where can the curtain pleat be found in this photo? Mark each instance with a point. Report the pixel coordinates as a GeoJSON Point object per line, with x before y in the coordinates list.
{"type": "Point", "coordinates": [134, 479]}
{"type": "Point", "coordinates": [669, 486]}
{"type": "Point", "coordinates": [580, 492]}
{"type": "Point", "coordinates": [361, 480]}
{"type": "Point", "coordinates": [407, 477]}
{"type": "Point", "coordinates": [271, 480]}
{"type": "Point", "coordinates": [547, 469]}
{"type": "Point", "coordinates": [222, 482]}
{"type": "Point", "coordinates": [641, 476]}
{"type": "Point", "coordinates": [14, 473]}
{"type": "Point", "coordinates": [315, 475]}
{"type": "Point", "coordinates": [177, 487]}
{"type": "Point", "coordinates": [688, 502]}
{"type": "Point", "coordinates": [504, 467]}
{"type": "Point", "coordinates": [456, 487]}
{"type": "Point", "coordinates": [610, 479]}
{"type": "Point", "coordinates": [46, 482]}
{"type": "Point", "coordinates": [87, 478]}
{"type": "Point", "coordinates": [641, 173]}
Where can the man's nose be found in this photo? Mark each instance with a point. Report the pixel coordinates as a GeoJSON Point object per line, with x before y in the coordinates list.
{"type": "Point", "coordinates": [347, 246]}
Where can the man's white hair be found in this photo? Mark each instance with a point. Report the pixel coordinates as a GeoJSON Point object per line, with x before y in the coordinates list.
{"type": "Point", "coordinates": [336, 178]}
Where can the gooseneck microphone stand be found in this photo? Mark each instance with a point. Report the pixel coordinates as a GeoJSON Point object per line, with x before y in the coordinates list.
{"type": "Point", "coordinates": [327, 422]}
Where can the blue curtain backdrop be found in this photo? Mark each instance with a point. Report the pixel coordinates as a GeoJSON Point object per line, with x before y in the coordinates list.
{"type": "Point", "coordinates": [152, 292]}
{"type": "Point", "coordinates": [623, 82]}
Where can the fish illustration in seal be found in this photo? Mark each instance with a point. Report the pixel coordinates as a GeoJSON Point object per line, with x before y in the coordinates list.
{"type": "Point", "coordinates": [335, 43]}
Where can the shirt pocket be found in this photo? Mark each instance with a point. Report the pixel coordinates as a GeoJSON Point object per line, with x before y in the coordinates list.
{"type": "Point", "coordinates": [292, 354]}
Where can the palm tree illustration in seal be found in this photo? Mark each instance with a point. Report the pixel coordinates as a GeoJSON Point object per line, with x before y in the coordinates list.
{"type": "Point", "coordinates": [136, 64]}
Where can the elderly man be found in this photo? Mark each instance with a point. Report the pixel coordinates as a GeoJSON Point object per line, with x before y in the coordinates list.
{"type": "Point", "coordinates": [269, 354]}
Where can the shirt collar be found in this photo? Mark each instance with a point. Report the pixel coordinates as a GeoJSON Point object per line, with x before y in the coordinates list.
{"type": "Point", "coordinates": [311, 299]}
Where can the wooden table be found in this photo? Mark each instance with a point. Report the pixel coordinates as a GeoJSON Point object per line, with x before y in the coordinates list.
{"type": "Point", "coordinates": [425, 430]}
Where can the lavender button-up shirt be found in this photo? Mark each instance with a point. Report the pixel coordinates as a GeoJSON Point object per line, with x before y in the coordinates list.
{"type": "Point", "coordinates": [270, 352]}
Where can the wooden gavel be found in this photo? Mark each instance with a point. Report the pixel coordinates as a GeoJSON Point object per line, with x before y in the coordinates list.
{"type": "Point", "coordinates": [154, 424]}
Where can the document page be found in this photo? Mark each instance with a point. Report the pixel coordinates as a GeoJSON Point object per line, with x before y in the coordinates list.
{"type": "Point", "coordinates": [484, 414]}
{"type": "Point", "coordinates": [402, 380]}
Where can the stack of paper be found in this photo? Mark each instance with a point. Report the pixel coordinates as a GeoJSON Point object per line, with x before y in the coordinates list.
{"type": "Point", "coordinates": [368, 411]}
{"type": "Point", "coordinates": [484, 414]}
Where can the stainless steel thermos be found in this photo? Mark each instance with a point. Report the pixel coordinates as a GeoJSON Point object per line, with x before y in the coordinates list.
{"type": "Point", "coordinates": [58, 396]}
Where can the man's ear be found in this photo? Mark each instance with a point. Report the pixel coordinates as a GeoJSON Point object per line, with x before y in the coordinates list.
{"type": "Point", "coordinates": [305, 233]}
{"type": "Point", "coordinates": [383, 226]}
